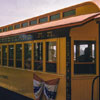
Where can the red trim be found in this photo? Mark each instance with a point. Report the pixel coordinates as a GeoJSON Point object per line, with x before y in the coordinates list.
{"type": "Point", "coordinates": [35, 77]}
{"type": "Point", "coordinates": [52, 82]}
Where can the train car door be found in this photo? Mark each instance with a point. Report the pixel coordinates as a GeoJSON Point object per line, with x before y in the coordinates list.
{"type": "Point", "coordinates": [84, 42]}
{"type": "Point", "coordinates": [84, 69]}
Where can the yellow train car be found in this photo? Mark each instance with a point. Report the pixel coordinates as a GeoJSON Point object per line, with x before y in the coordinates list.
{"type": "Point", "coordinates": [53, 56]}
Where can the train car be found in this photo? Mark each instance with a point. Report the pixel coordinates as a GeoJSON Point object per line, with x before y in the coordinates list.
{"type": "Point", "coordinates": [53, 56]}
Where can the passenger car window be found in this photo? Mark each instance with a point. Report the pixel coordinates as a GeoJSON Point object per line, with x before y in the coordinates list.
{"type": "Point", "coordinates": [4, 55]}
{"type": "Point", "coordinates": [51, 56]}
{"type": "Point", "coordinates": [11, 55]}
{"type": "Point", "coordinates": [38, 56]}
{"type": "Point", "coordinates": [27, 55]}
{"type": "Point", "coordinates": [18, 55]}
{"type": "Point", "coordinates": [84, 57]}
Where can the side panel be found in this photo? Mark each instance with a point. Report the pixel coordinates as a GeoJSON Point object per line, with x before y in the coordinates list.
{"type": "Point", "coordinates": [81, 88]}
{"type": "Point", "coordinates": [21, 80]}
{"type": "Point", "coordinates": [82, 84]}
{"type": "Point", "coordinates": [99, 60]}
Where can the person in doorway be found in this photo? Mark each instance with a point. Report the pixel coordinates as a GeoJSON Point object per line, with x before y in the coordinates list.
{"type": "Point", "coordinates": [86, 57]}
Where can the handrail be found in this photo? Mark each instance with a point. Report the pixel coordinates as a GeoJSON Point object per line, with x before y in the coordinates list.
{"type": "Point", "coordinates": [92, 95]}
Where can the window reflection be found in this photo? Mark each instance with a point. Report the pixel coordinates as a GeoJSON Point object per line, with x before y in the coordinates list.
{"type": "Point", "coordinates": [51, 52]}
{"type": "Point", "coordinates": [38, 56]}
{"type": "Point", "coordinates": [27, 56]}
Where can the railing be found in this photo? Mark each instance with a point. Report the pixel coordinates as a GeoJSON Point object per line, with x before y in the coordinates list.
{"type": "Point", "coordinates": [92, 95]}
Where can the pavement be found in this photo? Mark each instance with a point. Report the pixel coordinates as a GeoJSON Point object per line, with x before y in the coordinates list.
{"type": "Point", "coordinates": [10, 95]}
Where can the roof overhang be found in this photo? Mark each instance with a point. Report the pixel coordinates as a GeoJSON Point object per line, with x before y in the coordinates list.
{"type": "Point", "coordinates": [67, 22]}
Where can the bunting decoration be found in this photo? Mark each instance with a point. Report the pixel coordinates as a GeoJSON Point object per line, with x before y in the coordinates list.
{"type": "Point", "coordinates": [46, 88]}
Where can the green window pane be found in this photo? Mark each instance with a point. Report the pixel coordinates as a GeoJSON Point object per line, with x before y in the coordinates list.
{"type": "Point", "coordinates": [10, 28]}
{"type": "Point", "coordinates": [69, 13]}
{"type": "Point", "coordinates": [17, 26]}
{"type": "Point", "coordinates": [25, 24]}
{"type": "Point", "coordinates": [54, 17]}
{"type": "Point", "coordinates": [42, 20]}
{"type": "Point", "coordinates": [5, 29]}
{"type": "Point", "coordinates": [0, 30]}
{"type": "Point", "coordinates": [33, 22]}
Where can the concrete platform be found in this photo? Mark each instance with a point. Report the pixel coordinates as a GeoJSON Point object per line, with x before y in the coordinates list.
{"type": "Point", "coordinates": [9, 95]}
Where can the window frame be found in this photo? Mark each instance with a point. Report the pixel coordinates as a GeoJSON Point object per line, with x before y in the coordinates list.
{"type": "Point", "coordinates": [32, 56]}
{"type": "Point", "coordinates": [57, 55]}
{"type": "Point", "coordinates": [10, 28]}
{"type": "Point", "coordinates": [39, 41]}
{"type": "Point", "coordinates": [2, 55]}
{"type": "Point", "coordinates": [44, 55]}
{"type": "Point", "coordinates": [22, 55]}
{"type": "Point", "coordinates": [5, 29]}
{"type": "Point", "coordinates": [31, 22]}
{"type": "Point", "coordinates": [44, 41]}
{"type": "Point", "coordinates": [43, 19]}
{"type": "Point", "coordinates": [1, 30]}
{"type": "Point", "coordinates": [69, 12]}
{"type": "Point", "coordinates": [72, 56]}
{"type": "Point", "coordinates": [24, 24]}
{"type": "Point", "coordinates": [13, 55]}
{"type": "Point", "coordinates": [52, 15]}
{"type": "Point", "coordinates": [17, 26]}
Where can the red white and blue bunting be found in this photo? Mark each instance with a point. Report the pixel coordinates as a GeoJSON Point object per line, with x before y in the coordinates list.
{"type": "Point", "coordinates": [46, 88]}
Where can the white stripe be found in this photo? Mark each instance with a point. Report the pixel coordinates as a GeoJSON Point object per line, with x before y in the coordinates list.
{"type": "Point", "coordinates": [36, 83]}
{"type": "Point", "coordinates": [46, 95]}
{"type": "Point", "coordinates": [52, 88]}
{"type": "Point", "coordinates": [38, 93]}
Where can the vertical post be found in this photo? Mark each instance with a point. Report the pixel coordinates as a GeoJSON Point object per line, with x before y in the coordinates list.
{"type": "Point", "coordinates": [68, 69]}
{"type": "Point", "coordinates": [99, 60]}
{"type": "Point", "coordinates": [22, 55]}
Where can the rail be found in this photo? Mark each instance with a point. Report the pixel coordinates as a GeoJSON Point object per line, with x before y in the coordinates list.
{"type": "Point", "coordinates": [92, 95]}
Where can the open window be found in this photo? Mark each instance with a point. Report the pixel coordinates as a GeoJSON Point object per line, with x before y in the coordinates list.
{"type": "Point", "coordinates": [27, 55]}
{"type": "Point", "coordinates": [84, 57]}
{"type": "Point", "coordinates": [11, 55]}
{"type": "Point", "coordinates": [51, 56]}
{"type": "Point", "coordinates": [38, 56]}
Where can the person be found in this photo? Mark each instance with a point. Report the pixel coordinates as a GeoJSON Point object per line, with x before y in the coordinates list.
{"type": "Point", "coordinates": [86, 57]}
